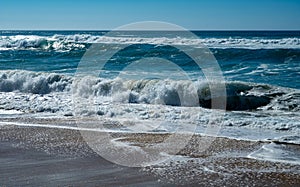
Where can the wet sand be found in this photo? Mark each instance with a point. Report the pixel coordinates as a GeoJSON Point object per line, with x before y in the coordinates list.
{"type": "Point", "coordinates": [59, 158]}
{"type": "Point", "coordinates": [24, 167]}
{"type": "Point", "coordinates": [38, 156]}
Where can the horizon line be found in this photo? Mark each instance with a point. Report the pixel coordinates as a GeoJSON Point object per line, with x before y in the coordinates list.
{"type": "Point", "coordinates": [151, 30]}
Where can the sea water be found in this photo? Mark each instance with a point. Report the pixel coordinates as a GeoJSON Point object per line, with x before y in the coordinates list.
{"type": "Point", "coordinates": [261, 70]}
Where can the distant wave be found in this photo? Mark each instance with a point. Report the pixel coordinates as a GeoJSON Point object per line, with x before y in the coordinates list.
{"type": "Point", "coordinates": [81, 41]}
{"type": "Point", "coordinates": [240, 96]}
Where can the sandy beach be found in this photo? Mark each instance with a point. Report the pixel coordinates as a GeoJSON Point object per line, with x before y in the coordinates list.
{"type": "Point", "coordinates": [33, 156]}
{"type": "Point", "coordinates": [59, 156]}
{"type": "Point", "coordinates": [150, 93]}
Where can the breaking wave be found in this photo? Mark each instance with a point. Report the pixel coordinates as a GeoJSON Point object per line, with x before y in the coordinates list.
{"type": "Point", "coordinates": [240, 95]}
{"type": "Point", "coordinates": [81, 41]}
{"type": "Point", "coordinates": [33, 82]}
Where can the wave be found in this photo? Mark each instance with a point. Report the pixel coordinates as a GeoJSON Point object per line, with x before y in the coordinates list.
{"type": "Point", "coordinates": [33, 82]}
{"type": "Point", "coordinates": [34, 42]}
{"type": "Point", "coordinates": [258, 55]}
{"type": "Point", "coordinates": [239, 95]}
{"type": "Point", "coordinates": [81, 41]}
{"type": "Point", "coordinates": [52, 94]}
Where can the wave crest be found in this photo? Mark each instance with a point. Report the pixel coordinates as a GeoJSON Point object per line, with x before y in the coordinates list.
{"type": "Point", "coordinates": [81, 41]}
{"type": "Point", "coordinates": [240, 96]}
{"type": "Point", "coordinates": [31, 82]}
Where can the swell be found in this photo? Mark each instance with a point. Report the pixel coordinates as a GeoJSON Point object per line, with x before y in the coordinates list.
{"type": "Point", "coordinates": [258, 55]}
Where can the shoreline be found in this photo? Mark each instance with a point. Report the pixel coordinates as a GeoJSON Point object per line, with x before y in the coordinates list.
{"type": "Point", "coordinates": [225, 162]}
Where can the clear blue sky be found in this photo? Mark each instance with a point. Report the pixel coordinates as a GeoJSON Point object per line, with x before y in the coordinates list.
{"type": "Point", "coordinates": [194, 14]}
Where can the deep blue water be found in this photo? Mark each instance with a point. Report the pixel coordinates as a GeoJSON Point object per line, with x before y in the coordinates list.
{"type": "Point", "coordinates": [271, 57]}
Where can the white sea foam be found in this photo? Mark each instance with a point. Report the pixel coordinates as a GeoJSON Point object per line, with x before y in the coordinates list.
{"type": "Point", "coordinates": [78, 41]}
{"type": "Point", "coordinates": [32, 82]}
{"type": "Point", "coordinates": [277, 153]}
{"type": "Point", "coordinates": [152, 91]}
{"type": "Point", "coordinates": [5, 112]}
{"type": "Point", "coordinates": [152, 100]}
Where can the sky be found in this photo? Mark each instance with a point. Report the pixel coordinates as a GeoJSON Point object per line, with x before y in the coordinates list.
{"type": "Point", "coordinates": [110, 14]}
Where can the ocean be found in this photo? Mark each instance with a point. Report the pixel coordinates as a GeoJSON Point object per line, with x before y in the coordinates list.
{"type": "Point", "coordinates": [261, 70]}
